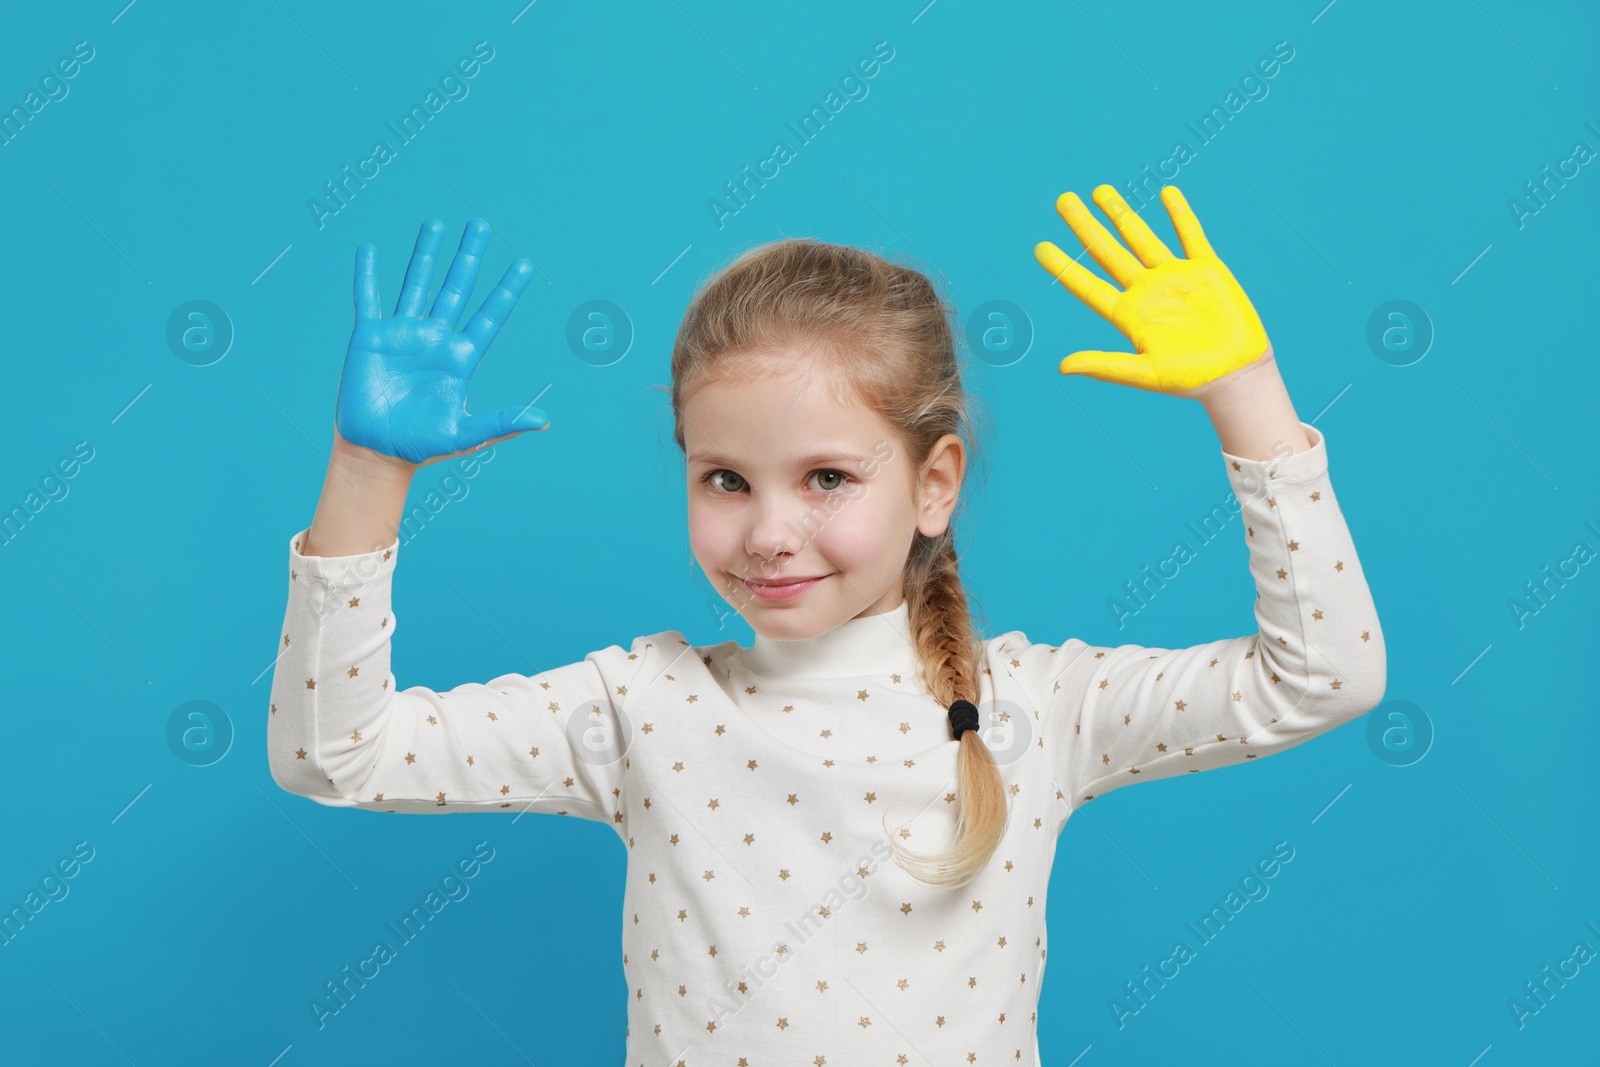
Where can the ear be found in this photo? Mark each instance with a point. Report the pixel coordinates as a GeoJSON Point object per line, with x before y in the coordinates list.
{"type": "Point", "coordinates": [939, 484]}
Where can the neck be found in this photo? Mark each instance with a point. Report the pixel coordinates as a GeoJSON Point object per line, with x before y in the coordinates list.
{"type": "Point", "coordinates": [861, 646]}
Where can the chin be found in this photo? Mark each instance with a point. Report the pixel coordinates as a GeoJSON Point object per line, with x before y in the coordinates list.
{"type": "Point", "coordinates": [792, 623]}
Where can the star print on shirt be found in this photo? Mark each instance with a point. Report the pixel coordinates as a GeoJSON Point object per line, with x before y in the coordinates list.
{"type": "Point", "coordinates": [1095, 718]}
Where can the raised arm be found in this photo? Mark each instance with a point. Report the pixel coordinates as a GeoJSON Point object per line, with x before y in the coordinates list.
{"type": "Point", "coordinates": [1110, 716]}
{"type": "Point", "coordinates": [1113, 715]}
{"type": "Point", "coordinates": [338, 730]}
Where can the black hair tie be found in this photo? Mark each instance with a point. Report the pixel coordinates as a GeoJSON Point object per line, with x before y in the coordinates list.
{"type": "Point", "coordinates": [963, 717]}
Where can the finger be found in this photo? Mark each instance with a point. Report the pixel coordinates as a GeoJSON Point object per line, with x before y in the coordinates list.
{"type": "Point", "coordinates": [497, 306]}
{"type": "Point", "coordinates": [1123, 368]}
{"type": "Point", "coordinates": [1145, 244]}
{"type": "Point", "coordinates": [477, 430]}
{"type": "Point", "coordinates": [463, 273]}
{"type": "Point", "coordinates": [1188, 227]}
{"type": "Point", "coordinates": [1094, 291]}
{"type": "Point", "coordinates": [419, 274]}
{"type": "Point", "coordinates": [368, 306]}
{"type": "Point", "coordinates": [1105, 249]}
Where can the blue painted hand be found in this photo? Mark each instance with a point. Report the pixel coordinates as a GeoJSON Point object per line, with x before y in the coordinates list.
{"type": "Point", "coordinates": [404, 387]}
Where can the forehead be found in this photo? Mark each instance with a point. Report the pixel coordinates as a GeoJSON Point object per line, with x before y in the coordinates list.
{"type": "Point", "coordinates": [778, 422]}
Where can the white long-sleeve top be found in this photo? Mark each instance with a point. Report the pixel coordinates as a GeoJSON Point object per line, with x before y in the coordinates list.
{"type": "Point", "coordinates": [754, 788]}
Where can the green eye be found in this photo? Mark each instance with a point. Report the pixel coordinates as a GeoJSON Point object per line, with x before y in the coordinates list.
{"type": "Point", "coordinates": [710, 476]}
{"type": "Point", "coordinates": [835, 474]}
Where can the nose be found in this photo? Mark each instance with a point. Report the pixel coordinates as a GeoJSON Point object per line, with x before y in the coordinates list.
{"type": "Point", "coordinates": [771, 535]}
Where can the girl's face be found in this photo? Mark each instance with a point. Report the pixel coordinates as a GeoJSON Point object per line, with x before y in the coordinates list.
{"type": "Point", "coordinates": [786, 483]}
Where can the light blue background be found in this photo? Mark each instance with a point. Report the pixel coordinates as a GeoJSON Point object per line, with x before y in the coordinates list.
{"type": "Point", "coordinates": [1379, 167]}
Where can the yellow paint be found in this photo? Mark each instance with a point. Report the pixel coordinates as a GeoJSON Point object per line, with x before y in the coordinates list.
{"type": "Point", "coordinates": [1189, 321]}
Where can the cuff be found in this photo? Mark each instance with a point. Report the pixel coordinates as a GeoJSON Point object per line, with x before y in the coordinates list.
{"type": "Point", "coordinates": [1252, 474]}
{"type": "Point", "coordinates": [343, 572]}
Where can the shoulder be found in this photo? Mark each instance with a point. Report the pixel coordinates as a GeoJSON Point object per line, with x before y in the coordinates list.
{"type": "Point", "coordinates": [1034, 665]}
{"type": "Point", "coordinates": [661, 653]}
{"type": "Point", "coordinates": [1015, 643]}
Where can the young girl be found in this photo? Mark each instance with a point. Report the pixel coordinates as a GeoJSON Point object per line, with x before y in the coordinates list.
{"type": "Point", "coordinates": [840, 838]}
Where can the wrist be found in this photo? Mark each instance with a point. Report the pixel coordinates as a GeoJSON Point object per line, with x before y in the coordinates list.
{"type": "Point", "coordinates": [368, 462]}
{"type": "Point", "coordinates": [1251, 411]}
{"type": "Point", "coordinates": [1239, 385]}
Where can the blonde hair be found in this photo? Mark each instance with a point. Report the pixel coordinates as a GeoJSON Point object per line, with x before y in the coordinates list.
{"type": "Point", "coordinates": [887, 338]}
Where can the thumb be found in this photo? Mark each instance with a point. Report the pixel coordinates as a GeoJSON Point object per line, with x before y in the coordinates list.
{"type": "Point", "coordinates": [476, 430]}
{"type": "Point", "coordinates": [1124, 368]}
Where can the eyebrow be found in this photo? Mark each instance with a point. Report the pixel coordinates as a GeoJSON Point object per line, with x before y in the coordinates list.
{"type": "Point", "coordinates": [811, 460]}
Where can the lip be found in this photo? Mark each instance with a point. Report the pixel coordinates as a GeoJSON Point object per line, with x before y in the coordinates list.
{"type": "Point", "coordinates": [782, 588]}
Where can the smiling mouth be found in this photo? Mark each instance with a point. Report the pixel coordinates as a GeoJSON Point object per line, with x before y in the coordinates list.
{"type": "Point", "coordinates": [781, 589]}
{"type": "Point", "coordinates": [782, 581]}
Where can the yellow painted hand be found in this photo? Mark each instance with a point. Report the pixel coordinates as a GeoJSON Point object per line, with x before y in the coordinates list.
{"type": "Point", "coordinates": [1188, 319]}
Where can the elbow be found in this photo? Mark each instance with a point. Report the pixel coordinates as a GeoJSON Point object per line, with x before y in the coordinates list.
{"type": "Point", "coordinates": [1331, 699]}
{"type": "Point", "coordinates": [278, 763]}
{"type": "Point", "coordinates": [1337, 694]}
{"type": "Point", "coordinates": [289, 768]}
{"type": "Point", "coordinates": [285, 774]}
{"type": "Point", "coordinates": [1359, 702]}
{"type": "Point", "coordinates": [304, 780]}
{"type": "Point", "coordinates": [1372, 672]}
{"type": "Point", "coordinates": [1362, 691]}
{"type": "Point", "coordinates": [1346, 679]}
{"type": "Point", "coordinates": [298, 771]}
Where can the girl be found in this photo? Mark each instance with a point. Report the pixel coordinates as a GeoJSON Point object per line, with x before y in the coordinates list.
{"type": "Point", "coordinates": [839, 838]}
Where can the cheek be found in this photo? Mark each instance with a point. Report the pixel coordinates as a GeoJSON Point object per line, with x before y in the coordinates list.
{"type": "Point", "coordinates": [699, 532]}
{"type": "Point", "coordinates": [861, 532]}
{"type": "Point", "coordinates": [711, 536]}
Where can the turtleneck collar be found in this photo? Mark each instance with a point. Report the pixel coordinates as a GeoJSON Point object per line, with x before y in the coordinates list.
{"type": "Point", "coordinates": [870, 644]}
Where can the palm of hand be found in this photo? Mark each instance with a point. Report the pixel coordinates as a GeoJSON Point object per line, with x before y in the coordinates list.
{"type": "Point", "coordinates": [403, 390]}
{"type": "Point", "coordinates": [1188, 319]}
{"type": "Point", "coordinates": [1190, 323]}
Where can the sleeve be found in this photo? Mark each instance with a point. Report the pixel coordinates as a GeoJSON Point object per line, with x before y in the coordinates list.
{"type": "Point", "coordinates": [341, 732]}
{"type": "Point", "coordinates": [1111, 716]}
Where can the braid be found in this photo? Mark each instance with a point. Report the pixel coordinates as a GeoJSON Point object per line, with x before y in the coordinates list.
{"type": "Point", "coordinates": [951, 655]}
